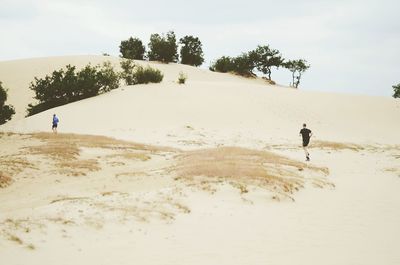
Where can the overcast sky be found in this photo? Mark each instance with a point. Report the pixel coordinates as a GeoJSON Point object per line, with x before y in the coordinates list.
{"type": "Point", "coordinates": [352, 46]}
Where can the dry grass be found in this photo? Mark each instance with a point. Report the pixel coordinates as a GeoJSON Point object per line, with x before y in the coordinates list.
{"type": "Point", "coordinates": [5, 180]}
{"type": "Point", "coordinates": [336, 146]}
{"type": "Point", "coordinates": [95, 141]}
{"type": "Point", "coordinates": [14, 164]}
{"type": "Point", "coordinates": [132, 156]}
{"type": "Point", "coordinates": [16, 239]}
{"type": "Point", "coordinates": [83, 165]}
{"type": "Point", "coordinates": [242, 167]}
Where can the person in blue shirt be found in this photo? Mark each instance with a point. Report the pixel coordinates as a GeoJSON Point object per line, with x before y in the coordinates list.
{"type": "Point", "coordinates": [55, 123]}
{"type": "Point", "coordinates": [306, 135]}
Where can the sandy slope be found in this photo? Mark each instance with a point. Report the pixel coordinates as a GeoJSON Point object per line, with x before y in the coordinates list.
{"type": "Point", "coordinates": [223, 106]}
{"type": "Point", "coordinates": [125, 209]}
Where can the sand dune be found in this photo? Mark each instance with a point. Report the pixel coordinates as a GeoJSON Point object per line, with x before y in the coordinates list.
{"type": "Point", "coordinates": [220, 105]}
{"type": "Point", "coordinates": [209, 172]}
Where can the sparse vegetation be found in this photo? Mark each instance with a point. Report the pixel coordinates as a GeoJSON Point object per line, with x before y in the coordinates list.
{"type": "Point", "coordinates": [245, 167]}
{"type": "Point", "coordinates": [182, 78]}
{"type": "Point", "coordinates": [5, 180]}
{"type": "Point", "coordinates": [6, 111]}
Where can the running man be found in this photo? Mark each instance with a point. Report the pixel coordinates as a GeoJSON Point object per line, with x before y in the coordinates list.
{"type": "Point", "coordinates": [55, 123]}
{"type": "Point", "coordinates": [306, 135]}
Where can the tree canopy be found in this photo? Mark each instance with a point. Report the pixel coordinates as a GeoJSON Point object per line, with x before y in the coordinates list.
{"type": "Point", "coordinates": [132, 48]}
{"type": "Point", "coordinates": [191, 51]}
{"type": "Point", "coordinates": [163, 48]}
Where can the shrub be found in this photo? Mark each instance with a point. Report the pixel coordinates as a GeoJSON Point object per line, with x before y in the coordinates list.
{"type": "Point", "coordinates": [147, 75]}
{"type": "Point", "coordinates": [127, 73]}
{"type": "Point", "coordinates": [6, 111]}
{"type": "Point", "coordinates": [132, 48]}
{"type": "Point", "coordinates": [182, 78]}
{"type": "Point", "coordinates": [67, 85]}
{"type": "Point", "coordinates": [396, 90]}
{"type": "Point", "coordinates": [191, 51]}
{"type": "Point", "coordinates": [108, 78]}
{"type": "Point", "coordinates": [241, 65]}
{"type": "Point", "coordinates": [224, 64]}
{"type": "Point", "coordinates": [163, 48]}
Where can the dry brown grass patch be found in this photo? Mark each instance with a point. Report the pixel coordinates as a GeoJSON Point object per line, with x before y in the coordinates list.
{"type": "Point", "coordinates": [5, 180]}
{"type": "Point", "coordinates": [96, 141]}
{"type": "Point", "coordinates": [242, 167]}
{"type": "Point", "coordinates": [337, 146]}
{"type": "Point", "coordinates": [132, 156]}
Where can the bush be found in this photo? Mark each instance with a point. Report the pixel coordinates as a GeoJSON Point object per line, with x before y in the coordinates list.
{"type": "Point", "coordinates": [163, 48]}
{"type": "Point", "coordinates": [127, 73]}
{"type": "Point", "coordinates": [241, 65]}
{"type": "Point", "coordinates": [191, 51]}
{"type": "Point", "coordinates": [65, 86]}
{"type": "Point", "coordinates": [132, 48]}
{"type": "Point", "coordinates": [147, 75]}
{"type": "Point", "coordinates": [224, 64]}
{"type": "Point", "coordinates": [396, 90]}
{"type": "Point", "coordinates": [108, 78]}
{"type": "Point", "coordinates": [6, 111]}
{"type": "Point", "coordinates": [182, 78]}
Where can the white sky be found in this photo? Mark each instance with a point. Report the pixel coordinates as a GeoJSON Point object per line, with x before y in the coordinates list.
{"type": "Point", "coordinates": [352, 46]}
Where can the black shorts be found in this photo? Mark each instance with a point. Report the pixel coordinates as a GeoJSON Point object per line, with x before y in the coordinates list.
{"type": "Point", "coordinates": [305, 143]}
{"type": "Point", "coordinates": [54, 126]}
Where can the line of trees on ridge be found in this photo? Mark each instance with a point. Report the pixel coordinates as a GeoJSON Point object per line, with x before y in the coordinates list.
{"type": "Point", "coordinates": [263, 59]}
{"type": "Point", "coordinates": [164, 48]}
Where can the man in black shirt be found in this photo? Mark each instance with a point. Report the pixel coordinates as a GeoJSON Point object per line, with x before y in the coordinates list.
{"type": "Point", "coordinates": [306, 135]}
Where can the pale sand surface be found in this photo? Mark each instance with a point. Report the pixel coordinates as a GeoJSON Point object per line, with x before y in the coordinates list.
{"type": "Point", "coordinates": [123, 203]}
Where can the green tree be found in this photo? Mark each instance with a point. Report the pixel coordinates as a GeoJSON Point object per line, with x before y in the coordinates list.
{"type": "Point", "coordinates": [265, 58]}
{"type": "Point", "coordinates": [297, 67]}
{"type": "Point", "coordinates": [68, 85]}
{"type": "Point", "coordinates": [6, 111]}
{"type": "Point", "coordinates": [223, 65]}
{"type": "Point", "coordinates": [396, 90]}
{"type": "Point", "coordinates": [244, 65]}
{"type": "Point", "coordinates": [132, 48]}
{"type": "Point", "coordinates": [191, 51]}
{"type": "Point", "coordinates": [163, 48]}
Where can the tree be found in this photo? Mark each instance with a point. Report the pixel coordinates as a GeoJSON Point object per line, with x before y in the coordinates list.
{"type": "Point", "coordinates": [163, 48]}
{"type": "Point", "coordinates": [132, 48]}
{"type": "Point", "coordinates": [223, 65]}
{"type": "Point", "coordinates": [191, 51]}
{"type": "Point", "coordinates": [265, 58]}
{"type": "Point", "coordinates": [396, 89]}
{"type": "Point", "coordinates": [297, 67]}
{"type": "Point", "coordinates": [244, 65]}
{"type": "Point", "coordinates": [6, 111]}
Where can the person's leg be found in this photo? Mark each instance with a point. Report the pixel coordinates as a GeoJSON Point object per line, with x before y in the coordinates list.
{"type": "Point", "coordinates": [306, 152]}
